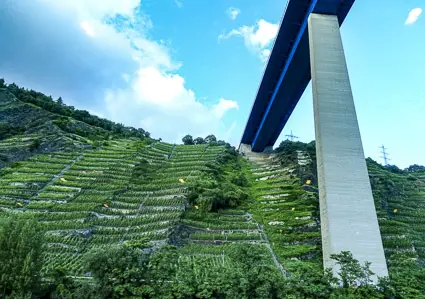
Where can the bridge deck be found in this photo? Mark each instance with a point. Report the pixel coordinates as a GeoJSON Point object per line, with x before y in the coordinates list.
{"type": "Point", "coordinates": [288, 71]}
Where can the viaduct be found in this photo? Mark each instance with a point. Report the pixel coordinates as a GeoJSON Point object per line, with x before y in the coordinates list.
{"type": "Point", "coordinates": [309, 47]}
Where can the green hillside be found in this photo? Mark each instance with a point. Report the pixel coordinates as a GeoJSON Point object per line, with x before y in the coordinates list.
{"type": "Point", "coordinates": [93, 209]}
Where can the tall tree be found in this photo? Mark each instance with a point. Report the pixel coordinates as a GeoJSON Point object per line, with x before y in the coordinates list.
{"type": "Point", "coordinates": [20, 256]}
{"type": "Point", "coordinates": [119, 270]}
{"type": "Point", "coordinates": [210, 138]}
{"type": "Point", "coordinates": [188, 140]}
{"type": "Point", "coordinates": [415, 168]}
{"type": "Point", "coordinates": [59, 101]}
{"type": "Point", "coordinates": [199, 140]}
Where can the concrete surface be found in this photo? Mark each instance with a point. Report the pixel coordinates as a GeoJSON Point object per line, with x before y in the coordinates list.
{"type": "Point", "coordinates": [347, 209]}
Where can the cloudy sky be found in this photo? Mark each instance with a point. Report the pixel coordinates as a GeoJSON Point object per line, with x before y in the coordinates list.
{"type": "Point", "coordinates": [193, 66]}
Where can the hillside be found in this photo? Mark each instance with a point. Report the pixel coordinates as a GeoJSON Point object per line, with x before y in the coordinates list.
{"type": "Point", "coordinates": [124, 215]}
{"type": "Point", "coordinates": [31, 122]}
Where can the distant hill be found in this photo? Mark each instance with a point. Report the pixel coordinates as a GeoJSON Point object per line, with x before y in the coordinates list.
{"type": "Point", "coordinates": [31, 122]}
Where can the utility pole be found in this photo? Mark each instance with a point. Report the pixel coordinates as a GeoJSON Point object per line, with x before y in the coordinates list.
{"type": "Point", "coordinates": [384, 155]}
{"type": "Point", "coordinates": [291, 136]}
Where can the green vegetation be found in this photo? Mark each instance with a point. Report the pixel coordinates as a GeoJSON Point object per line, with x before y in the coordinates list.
{"type": "Point", "coordinates": [220, 185]}
{"type": "Point", "coordinates": [20, 256]}
{"type": "Point", "coordinates": [210, 139]}
{"type": "Point", "coordinates": [399, 200]}
{"type": "Point", "coordinates": [7, 131]}
{"type": "Point", "coordinates": [58, 107]}
{"type": "Point", "coordinates": [93, 209]}
{"type": "Point", "coordinates": [127, 270]}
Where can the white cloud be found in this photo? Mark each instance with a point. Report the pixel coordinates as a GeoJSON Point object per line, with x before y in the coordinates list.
{"type": "Point", "coordinates": [233, 12]}
{"type": "Point", "coordinates": [264, 54]}
{"type": "Point", "coordinates": [160, 103]}
{"type": "Point", "coordinates": [178, 3]}
{"type": "Point", "coordinates": [151, 53]}
{"type": "Point", "coordinates": [258, 38]}
{"type": "Point", "coordinates": [223, 106]}
{"type": "Point", "coordinates": [88, 29]}
{"type": "Point", "coordinates": [118, 72]}
{"type": "Point", "coordinates": [413, 16]}
{"type": "Point", "coordinates": [95, 9]}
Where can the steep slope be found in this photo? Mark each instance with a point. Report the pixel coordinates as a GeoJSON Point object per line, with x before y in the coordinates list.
{"type": "Point", "coordinates": [28, 129]}
{"type": "Point", "coordinates": [286, 212]}
{"type": "Point", "coordinates": [399, 200]}
{"type": "Point", "coordinates": [31, 122]}
{"type": "Point", "coordinates": [91, 183]}
{"type": "Point", "coordinates": [127, 190]}
{"type": "Point", "coordinates": [400, 203]}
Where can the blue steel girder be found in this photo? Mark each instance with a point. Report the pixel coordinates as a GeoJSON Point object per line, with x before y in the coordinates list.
{"type": "Point", "coordinates": [288, 71]}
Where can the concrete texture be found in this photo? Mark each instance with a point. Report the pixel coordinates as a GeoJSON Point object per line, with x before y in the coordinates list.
{"type": "Point", "coordinates": [347, 209]}
{"type": "Point", "coordinates": [255, 157]}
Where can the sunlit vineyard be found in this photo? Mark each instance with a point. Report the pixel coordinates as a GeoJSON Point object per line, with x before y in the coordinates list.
{"type": "Point", "coordinates": [400, 204]}
{"type": "Point", "coordinates": [127, 190]}
{"type": "Point", "coordinates": [93, 198]}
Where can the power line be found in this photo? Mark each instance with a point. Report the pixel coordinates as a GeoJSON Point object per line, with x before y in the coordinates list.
{"type": "Point", "coordinates": [291, 136]}
{"type": "Point", "coordinates": [384, 155]}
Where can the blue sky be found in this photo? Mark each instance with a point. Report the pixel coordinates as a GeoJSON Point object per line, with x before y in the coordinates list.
{"type": "Point", "coordinates": [193, 66]}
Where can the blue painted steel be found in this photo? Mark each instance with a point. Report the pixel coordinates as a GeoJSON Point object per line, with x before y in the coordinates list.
{"type": "Point", "coordinates": [287, 64]}
{"type": "Point", "coordinates": [288, 71]}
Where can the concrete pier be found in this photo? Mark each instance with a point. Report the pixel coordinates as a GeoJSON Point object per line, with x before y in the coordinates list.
{"type": "Point", "coordinates": [347, 209]}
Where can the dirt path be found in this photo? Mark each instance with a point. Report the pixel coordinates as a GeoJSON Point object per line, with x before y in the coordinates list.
{"type": "Point", "coordinates": [56, 176]}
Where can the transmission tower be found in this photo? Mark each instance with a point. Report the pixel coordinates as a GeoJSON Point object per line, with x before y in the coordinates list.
{"type": "Point", "coordinates": [384, 155]}
{"type": "Point", "coordinates": [291, 136]}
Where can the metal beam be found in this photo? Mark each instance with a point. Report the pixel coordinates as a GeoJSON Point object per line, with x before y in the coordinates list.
{"type": "Point", "coordinates": [282, 75]}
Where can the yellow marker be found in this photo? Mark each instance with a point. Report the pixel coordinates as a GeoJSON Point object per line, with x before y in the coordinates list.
{"type": "Point", "coordinates": [293, 209]}
{"type": "Point", "coordinates": [62, 179]}
{"type": "Point", "coordinates": [19, 204]}
{"type": "Point", "coordinates": [105, 205]}
{"type": "Point", "coordinates": [308, 182]}
{"type": "Point", "coordinates": [196, 207]}
{"type": "Point", "coordinates": [395, 210]}
{"type": "Point", "coordinates": [181, 180]}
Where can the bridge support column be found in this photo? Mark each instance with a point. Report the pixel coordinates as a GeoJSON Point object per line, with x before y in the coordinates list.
{"type": "Point", "coordinates": [347, 209]}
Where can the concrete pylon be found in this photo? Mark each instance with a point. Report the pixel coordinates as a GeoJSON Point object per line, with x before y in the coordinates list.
{"type": "Point", "coordinates": [347, 210]}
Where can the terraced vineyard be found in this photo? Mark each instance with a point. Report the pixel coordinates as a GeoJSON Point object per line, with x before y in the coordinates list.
{"type": "Point", "coordinates": [400, 204]}
{"type": "Point", "coordinates": [242, 226]}
{"type": "Point", "coordinates": [280, 219]}
{"type": "Point", "coordinates": [94, 198]}
{"type": "Point", "coordinates": [285, 211]}
{"type": "Point", "coordinates": [127, 191]}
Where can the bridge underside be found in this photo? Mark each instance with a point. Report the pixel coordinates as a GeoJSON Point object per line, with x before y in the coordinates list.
{"type": "Point", "coordinates": [288, 71]}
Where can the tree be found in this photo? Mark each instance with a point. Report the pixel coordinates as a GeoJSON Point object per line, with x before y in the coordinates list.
{"type": "Point", "coordinates": [188, 140]}
{"type": "Point", "coordinates": [407, 276]}
{"type": "Point", "coordinates": [162, 269]}
{"type": "Point", "coordinates": [415, 168]}
{"type": "Point", "coordinates": [352, 274]}
{"type": "Point", "coordinates": [119, 270]}
{"type": "Point", "coordinates": [394, 169]}
{"type": "Point", "coordinates": [210, 138]}
{"type": "Point", "coordinates": [2, 83]}
{"type": "Point", "coordinates": [20, 256]}
{"type": "Point", "coordinates": [61, 285]}
{"type": "Point", "coordinates": [59, 101]}
{"type": "Point", "coordinates": [35, 144]}
{"type": "Point", "coordinates": [309, 282]}
{"type": "Point", "coordinates": [199, 140]}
